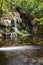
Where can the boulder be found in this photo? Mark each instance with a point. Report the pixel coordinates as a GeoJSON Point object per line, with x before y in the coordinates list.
{"type": "Point", "coordinates": [8, 15]}
{"type": "Point", "coordinates": [6, 19]}
{"type": "Point", "coordinates": [17, 16]}
{"type": "Point", "coordinates": [5, 22]}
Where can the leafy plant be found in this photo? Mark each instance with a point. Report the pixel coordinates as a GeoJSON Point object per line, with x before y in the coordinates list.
{"type": "Point", "coordinates": [4, 6]}
{"type": "Point", "coordinates": [33, 7]}
{"type": "Point", "coordinates": [40, 20]}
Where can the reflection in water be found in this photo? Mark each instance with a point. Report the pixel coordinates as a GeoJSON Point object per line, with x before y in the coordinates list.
{"type": "Point", "coordinates": [10, 41]}
{"type": "Point", "coordinates": [22, 58]}
{"type": "Point", "coordinates": [27, 57]}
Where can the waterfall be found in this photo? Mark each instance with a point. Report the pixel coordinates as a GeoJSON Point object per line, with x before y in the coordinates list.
{"type": "Point", "coordinates": [15, 30]}
{"type": "Point", "coordinates": [15, 22]}
{"type": "Point", "coordinates": [14, 27]}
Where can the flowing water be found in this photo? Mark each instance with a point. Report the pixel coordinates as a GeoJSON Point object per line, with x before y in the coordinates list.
{"type": "Point", "coordinates": [17, 51]}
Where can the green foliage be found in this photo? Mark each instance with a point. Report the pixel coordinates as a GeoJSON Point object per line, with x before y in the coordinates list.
{"type": "Point", "coordinates": [4, 6]}
{"type": "Point", "coordinates": [33, 7]}
{"type": "Point", "coordinates": [36, 19]}
{"type": "Point", "coordinates": [24, 37]}
{"type": "Point", "coordinates": [39, 20]}
{"type": "Point", "coordinates": [24, 31]}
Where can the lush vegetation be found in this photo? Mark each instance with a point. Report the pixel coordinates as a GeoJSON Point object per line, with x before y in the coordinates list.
{"type": "Point", "coordinates": [33, 7]}
{"type": "Point", "coordinates": [4, 6]}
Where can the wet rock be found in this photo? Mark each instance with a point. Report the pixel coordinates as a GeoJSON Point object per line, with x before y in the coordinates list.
{"type": "Point", "coordinates": [17, 16]}
{"type": "Point", "coordinates": [1, 31]}
{"type": "Point", "coordinates": [5, 22]}
{"type": "Point", "coordinates": [6, 35]}
{"type": "Point", "coordinates": [8, 15]}
{"type": "Point", "coordinates": [0, 35]}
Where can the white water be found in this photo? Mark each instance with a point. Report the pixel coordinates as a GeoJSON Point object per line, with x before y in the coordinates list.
{"type": "Point", "coordinates": [13, 34]}
{"type": "Point", "coordinates": [17, 31]}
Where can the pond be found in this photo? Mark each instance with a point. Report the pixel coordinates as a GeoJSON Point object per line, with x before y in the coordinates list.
{"type": "Point", "coordinates": [33, 55]}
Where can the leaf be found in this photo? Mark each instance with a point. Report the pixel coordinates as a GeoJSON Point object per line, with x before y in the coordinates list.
{"type": "Point", "coordinates": [41, 19]}
{"type": "Point", "coordinates": [36, 19]}
{"type": "Point", "coordinates": [41, 23]}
